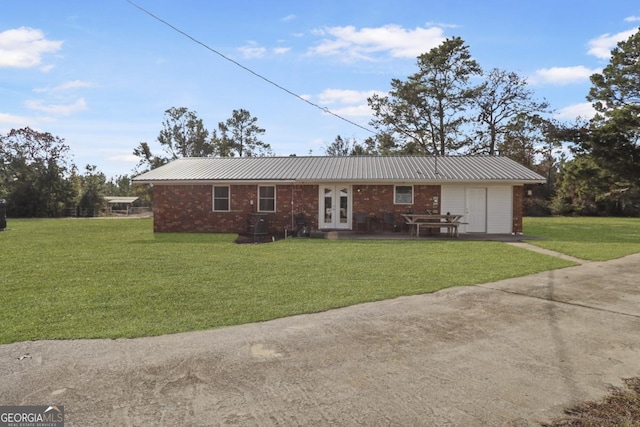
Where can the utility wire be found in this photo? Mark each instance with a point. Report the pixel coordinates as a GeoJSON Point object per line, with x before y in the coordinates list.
{"type": "Point", "coordinates": [324, 109]}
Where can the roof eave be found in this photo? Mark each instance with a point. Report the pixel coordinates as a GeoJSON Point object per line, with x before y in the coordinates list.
{"type": "Point", "coordinates": [209, 181]}
{"type": "Point", "coordinates": [345, 181]}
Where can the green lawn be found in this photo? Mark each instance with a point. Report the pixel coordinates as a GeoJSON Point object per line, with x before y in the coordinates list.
{"type": "Point", "coordinates": [97, 278]}
{"type": "Point", "coordinates": [595, 239]}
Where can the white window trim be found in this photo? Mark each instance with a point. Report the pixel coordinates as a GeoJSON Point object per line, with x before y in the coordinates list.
{"type": "Point", "coordinates": [395, 196]}
{"type": "Point", "coordinates": [274, 197]}
{"type": "Point", "coordinates": [213, 198]}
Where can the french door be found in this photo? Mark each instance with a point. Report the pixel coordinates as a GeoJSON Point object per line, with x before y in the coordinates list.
{"type": "Point", "coordinates": [335, 207]}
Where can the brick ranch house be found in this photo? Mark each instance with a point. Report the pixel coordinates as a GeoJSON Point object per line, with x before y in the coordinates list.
{"type": "Point", "coordinates": [226, 195]}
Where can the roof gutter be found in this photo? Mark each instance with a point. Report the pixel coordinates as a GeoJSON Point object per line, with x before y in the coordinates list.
{"type": "Point", "coordinates": [209, 181]}
{"type": "Point", "coordinates": [344, 181]}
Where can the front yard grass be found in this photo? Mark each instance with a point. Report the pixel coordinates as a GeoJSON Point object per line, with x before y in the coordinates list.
{"type": "Point", "coordinates": [589, 238]}
{"type": "Point", "coordinates": [113, 278]}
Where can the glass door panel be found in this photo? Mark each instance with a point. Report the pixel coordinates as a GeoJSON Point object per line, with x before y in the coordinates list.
{"type": "Point", "coordinates": [328, 206]}
{"type": "Point", "coordinates": [335, 207]}
{"type": "Point", "coordinates": [344, 205]}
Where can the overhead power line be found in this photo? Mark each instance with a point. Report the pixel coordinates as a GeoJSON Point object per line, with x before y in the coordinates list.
{"type": "Point", "coordinates": [193, 39]}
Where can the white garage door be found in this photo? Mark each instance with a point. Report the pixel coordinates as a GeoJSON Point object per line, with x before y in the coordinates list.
{"type": "Point", "coordinates": [487, 209]}
{"type": "Point", "coordinates": [500, 210]}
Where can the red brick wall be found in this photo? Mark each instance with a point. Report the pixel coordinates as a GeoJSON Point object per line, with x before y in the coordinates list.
{"type": "Point", "coordinates": [375, 200]}
{"type": "Point", "coordinates": [518, 206]}
{"type": "Point", "coordinates": [305, 202]}
{"type": "Point", "coordinates": [189, 208]}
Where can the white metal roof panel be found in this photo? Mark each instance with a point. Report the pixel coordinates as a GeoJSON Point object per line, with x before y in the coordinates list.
{"type": "Point", "coordinates": [120, 199]}
{"type": "Point", "coordinates": [347, 168]}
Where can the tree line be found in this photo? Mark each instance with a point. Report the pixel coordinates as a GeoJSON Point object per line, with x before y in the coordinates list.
{"type": "Point", "coordinates": [183, 135]}
{"type": "Point", "coordinates": [448, 106]}
{"type": "Point", "coordinates": [38, 178]}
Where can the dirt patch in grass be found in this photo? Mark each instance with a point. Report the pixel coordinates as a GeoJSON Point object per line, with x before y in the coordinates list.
{"type": "Point", "coordinates": [251, 238]}
{"type": "Point", "coordinates": [619, 409]}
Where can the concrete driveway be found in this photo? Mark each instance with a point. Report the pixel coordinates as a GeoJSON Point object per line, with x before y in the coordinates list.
{"type": "Point", "coordinates": [510, 353]}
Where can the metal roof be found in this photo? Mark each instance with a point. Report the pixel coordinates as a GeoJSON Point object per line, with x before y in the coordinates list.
{"type": "Point", "coordinates": [341, 169]}
{"type": "Point", "coordinates": [119, 199]}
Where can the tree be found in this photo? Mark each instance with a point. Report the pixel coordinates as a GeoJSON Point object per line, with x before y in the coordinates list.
{"type": "Point", "coordinates": [614, 142]}
{"type": "Point", "coordinates": [587, 189]}
{"type": "Point", "coordinates": [239, 135]}
{"type": "Point", "coordinates": [613, 135]}
{"type": "Point", "coordinates": [360, 150]}
{"type": "Point", "coordinates": [183, 135]}
{"type": "Point", "coordinates": [93, 190]}
{"type": "Point", "coordinates": [33, 171]}
{"type": "Point", "coordinates": [119, 186]}
{"type": "Point", "coordinates": [533, 141]}
{"type": "Point", "coordinates": [340, 147]}
{"type": "Point", "coordinates": [426, 112]}
{"type": "Point", "coordinates": [618, 86]}
{"type": "Point", "coordinates": [147, 160]}
{"type": "Point", "coordinates": [381, 144]}
{"type": "Point", "coordinates": [503, 97]}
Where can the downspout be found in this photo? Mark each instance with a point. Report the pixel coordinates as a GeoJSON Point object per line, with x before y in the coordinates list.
{"type": "Point", "coordinates": [293, 224]}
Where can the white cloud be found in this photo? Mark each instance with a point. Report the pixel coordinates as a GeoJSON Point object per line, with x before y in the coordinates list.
{"type": "Point", "coordinates": [352, 43]}
{"type": "Point", "coordinates": [563, 75]}
{"type": "Point", "coordinates": [23, 48]}
{"type": "Point", "coordinates": [12, 121]}
{"type": "Point", "coordinates": [127, 158]}
{"type": "Point", "coordinates": [601, 46]}
{"type": "Point", "coordinates": [75, 84]}
{"type": "Point", "coordinates": [344, 96]}
{"type": "Point", "coordinates": [632, 19]}
{"type": "Point", "coordinates": [583, 110]}
{"type": "Point", "coordinates": [15, 121]}
{"type": "Point", "coordinates": [440, 24]}
{"type": "Point", "coordinates": [361, 110]}
{"type": "Point", "coordinates": [288, 18]}
{"type": "Point", "coordinates": [281, 50]}
{"type": "Point", "coordinates": [57, 109]}
{"type": "Point", "coordinates": [252, 50]}
{"type": "Point", "coordinates": [347, 102]}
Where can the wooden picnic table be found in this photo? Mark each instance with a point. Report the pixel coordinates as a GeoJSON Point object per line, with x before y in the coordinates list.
{"type": "Point", "coordinates": [429, 221]}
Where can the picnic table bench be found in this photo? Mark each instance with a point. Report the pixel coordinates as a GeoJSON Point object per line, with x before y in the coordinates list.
{"type": "Point", "coordinates": [434, 221]}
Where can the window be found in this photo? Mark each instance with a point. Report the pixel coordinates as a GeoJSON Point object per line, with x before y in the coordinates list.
{"type": "Point", "coordinates": [403, 195]}
{"type": "Point", "coordinates": [220, 198]}
{"type": "Point", "coordinates": [266, 199]}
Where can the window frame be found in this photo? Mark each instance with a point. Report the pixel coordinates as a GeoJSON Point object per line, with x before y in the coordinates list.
{"type": "Point", "coordinates": [214, 198]}
{"type": "Point", "coordinates": [395, 195]}
{"type": "Point", "coordinates": [260, 198]}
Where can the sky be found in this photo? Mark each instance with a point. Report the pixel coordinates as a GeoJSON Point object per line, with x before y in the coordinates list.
{"type": "Point", "coordinates": [101, 74]}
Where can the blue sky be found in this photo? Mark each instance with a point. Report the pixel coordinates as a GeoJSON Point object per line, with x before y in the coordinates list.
{"type": "Point", "coordinates": [100, 74]}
